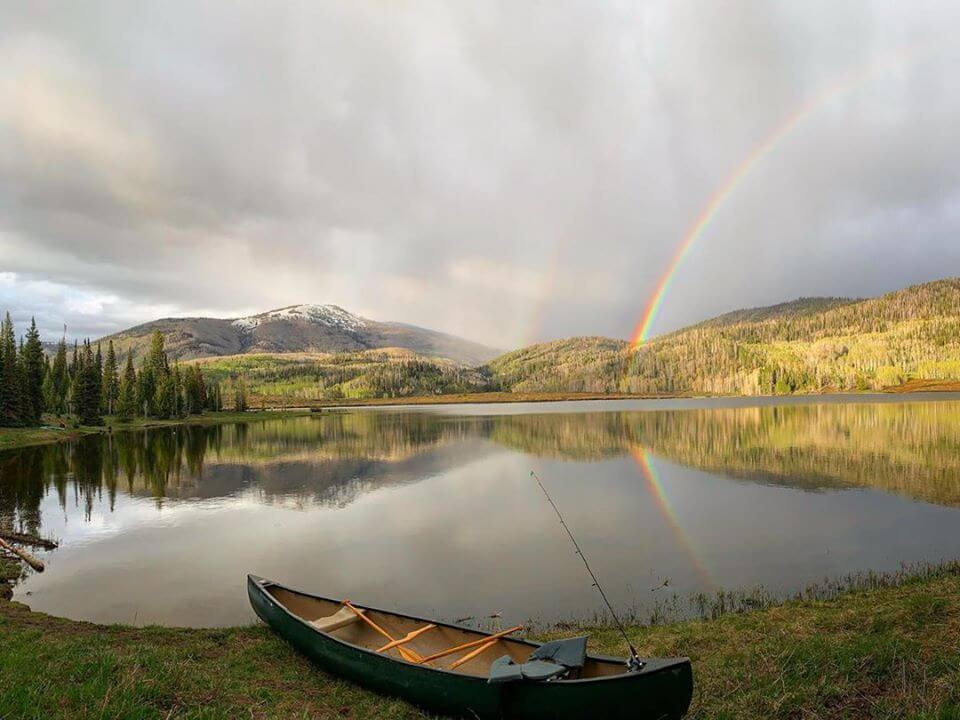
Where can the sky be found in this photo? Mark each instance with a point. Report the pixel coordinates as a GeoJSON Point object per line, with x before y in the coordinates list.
{"type": "Point", "coordinates": [510, 172]}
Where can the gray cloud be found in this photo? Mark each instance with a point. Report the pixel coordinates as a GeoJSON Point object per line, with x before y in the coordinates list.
{"type": "Point", "coordinates": [507, 171]}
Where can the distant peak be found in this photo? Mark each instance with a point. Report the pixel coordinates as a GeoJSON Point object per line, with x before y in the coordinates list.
{"type": "Point", "coordinates": [330, 315]}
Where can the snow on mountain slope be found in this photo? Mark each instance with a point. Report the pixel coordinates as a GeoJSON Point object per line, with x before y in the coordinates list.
{"type": "Point", "coordinates": [297, 328]}
{"type": "Point", "coordinates": [330, 315]}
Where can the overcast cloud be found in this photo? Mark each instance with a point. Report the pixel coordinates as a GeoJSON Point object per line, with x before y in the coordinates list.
{"type": "Point", "coordinates": [507, 171]}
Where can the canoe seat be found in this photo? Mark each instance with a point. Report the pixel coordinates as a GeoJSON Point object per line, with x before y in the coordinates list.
{"type": "Point", "coordinates": [341, 618]}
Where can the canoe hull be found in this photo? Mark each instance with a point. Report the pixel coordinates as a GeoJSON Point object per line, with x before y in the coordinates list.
{"type": "Point", "coordinates": [661, 692]}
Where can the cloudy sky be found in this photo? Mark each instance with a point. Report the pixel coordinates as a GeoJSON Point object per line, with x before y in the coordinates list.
{"type": "Point", "coordinates": [508, 171]}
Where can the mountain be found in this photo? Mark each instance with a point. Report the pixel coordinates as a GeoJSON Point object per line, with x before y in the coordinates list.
{"type": "Point", "coordinates": [781, 311]}
{"type": "Point", "coordinates": [296, 329]}
{"type": "Point", "coordinates": [580, 364]}
{"type": "Point", "coordinates": [809, 345]}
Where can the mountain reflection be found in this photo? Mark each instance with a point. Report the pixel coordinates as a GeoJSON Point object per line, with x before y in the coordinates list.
{"type": "Point", "coordinates": [912, 449]}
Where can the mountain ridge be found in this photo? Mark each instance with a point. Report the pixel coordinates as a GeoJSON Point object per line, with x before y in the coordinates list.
{"type": "Point", "coordinates": [806, 345]}
{"type": "Point", "coordinates": [295, 328]}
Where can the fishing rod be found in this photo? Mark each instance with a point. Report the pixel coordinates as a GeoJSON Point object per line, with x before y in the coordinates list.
{"type": "Point", "coordinates": [634, 663]}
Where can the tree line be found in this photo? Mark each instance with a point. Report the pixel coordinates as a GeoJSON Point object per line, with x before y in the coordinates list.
{"type": "Point", "coordinates": [90, 384]}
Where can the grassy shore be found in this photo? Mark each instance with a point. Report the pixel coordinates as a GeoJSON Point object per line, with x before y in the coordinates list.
{"type": "Point", "coordinates": [12, 438]}
{"type": "Point", "coordinates": [890, 652]}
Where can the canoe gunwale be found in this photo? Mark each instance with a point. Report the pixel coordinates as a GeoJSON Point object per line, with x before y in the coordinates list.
{"type": "Point", "coordinates": [661, 664]}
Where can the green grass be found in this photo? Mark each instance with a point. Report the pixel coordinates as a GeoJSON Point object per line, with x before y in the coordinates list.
{"type": "Point", "coordinates": [891, 652]}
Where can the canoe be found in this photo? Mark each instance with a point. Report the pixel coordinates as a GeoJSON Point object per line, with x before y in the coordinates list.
{"type": "Point", "coordinates": [347, 639]}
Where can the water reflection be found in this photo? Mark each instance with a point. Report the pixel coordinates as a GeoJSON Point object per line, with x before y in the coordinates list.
{"type": "Point", "coordinates": [432, 511]}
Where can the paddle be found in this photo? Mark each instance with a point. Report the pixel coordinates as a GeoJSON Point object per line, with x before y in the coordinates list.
{"type": "Point", "coordinates": [466, 646]}
{"type": "Point", "coordinates": [408, 655]}
{"type": "Point", "coordinates": [409, 636]}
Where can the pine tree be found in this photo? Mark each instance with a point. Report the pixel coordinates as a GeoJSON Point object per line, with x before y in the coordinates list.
{"type": "Point", "coordinates": [111, 381]}
{"type": "Point", "coordinates": [177, 409]}
{"type": "Point", "coordinates": [98, 365]}
{"type": "Point", "coordinates": [11, 407]}
{"type": "Point", "coordinates": [87, 388]}
{"type": "Point", "coordinates": [240, 399]}
{"type": "Point", "coordinates": [155, 370]}
{"type": "Point", "coordinates": [213, 398]}
{"type": "Point", "coordinates": [157, 358]}
{"type": "Point", "coordinates": [128, 406]}
{"type": "Point", "coordinates": [164, 400]}
{"type": "Point", "coordinates": [58, 384]}
{"type": "Point", "coordinates": [73, 373]}
{"type": "Point", "coordinates": [201, 389]}
{"type": "Point", "coordinates": [34, 369]}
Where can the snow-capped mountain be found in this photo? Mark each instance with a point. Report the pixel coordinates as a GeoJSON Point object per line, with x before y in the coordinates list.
{"type": "Point", "coordinates": [298, 328]}
{"type": "Point", "coordinates": [331, 315]}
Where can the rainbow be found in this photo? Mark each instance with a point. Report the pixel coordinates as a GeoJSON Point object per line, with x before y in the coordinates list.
{"type": "Point", "coordinates": [642, 458]}
{"type": "Point", "coordinates": [848, 81]}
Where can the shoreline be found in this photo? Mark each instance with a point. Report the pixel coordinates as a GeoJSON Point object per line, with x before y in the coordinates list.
{"type": "Point", "coordinates": [18, 438]}
{"type": "Point", "coordinates": [867, 652]}
{"type": "Point", "coordinates": [916, 387]}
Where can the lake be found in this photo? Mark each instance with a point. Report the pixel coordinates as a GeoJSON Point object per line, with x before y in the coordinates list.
{"type": "Point", "coordinates": [433, 511]}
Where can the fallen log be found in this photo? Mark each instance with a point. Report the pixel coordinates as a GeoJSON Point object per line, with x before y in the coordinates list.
{"type": "Point", "coordinates": [23, 555]}
{"type": "Point", "coordinates": [32, 540]}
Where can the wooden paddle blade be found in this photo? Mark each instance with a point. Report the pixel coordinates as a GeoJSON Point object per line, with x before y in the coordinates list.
{"type": "Point", "coordinates": [409, 636]}
{"type": "Point", "coordinates": [471, 655]}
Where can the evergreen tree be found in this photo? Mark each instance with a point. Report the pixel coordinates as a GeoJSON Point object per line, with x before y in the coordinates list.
{"type": "Point", "coordinates": [34, 369]}
{"type": "Point", "coordinates": [240, 399]}
{"type": "Point", "coordinates": [11, 406]}
{"type": "Point", "coordinates": [178, 405]}
{"type": "Point", "coordinates": [164, 401]}
{"type": "Point", "coordinates": [127, 405]}
{"type": "Point", "coordinates": [58, 381]}
{"type": "Point", "coordinates": [111, 381]}
{"type": "Point", "coordinates": [73, 372]}
{"type": "Point", "coordinates": [213, 398]}
{"type": "Point", "coordinates": [155, 370]}
{"type": "Point", "coordinates": [157, 358]}
{"type": "Point", "coordinates": [86, 396]}
{"type": "Point", "coordinates": [201, 389]}
{"type": "Point", "coordinates": [98, 365]}
{"type": "Point", "coordinates": [75, 362]}
{"type": "Point", "coordinates": [194, 390]}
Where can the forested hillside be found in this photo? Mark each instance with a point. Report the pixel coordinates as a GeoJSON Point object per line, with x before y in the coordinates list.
{"type": "Point", "coordinates": [585, 364]}
{"type": "Point", "coordinates": [300, 377]}
{"type": "Point", "coordinates": [806, 346]}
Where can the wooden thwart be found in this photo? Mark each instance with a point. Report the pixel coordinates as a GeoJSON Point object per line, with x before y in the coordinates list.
{"type": "Point", "coordinates": [486, 640]}
{"type": "Point", "coordinates": [409, 636]}
{"type": "Point", "coordinates": [408, 655]}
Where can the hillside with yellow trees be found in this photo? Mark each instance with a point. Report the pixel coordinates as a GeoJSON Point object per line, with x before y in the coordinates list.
{"type": "Point", "coordinates": [809, 345]}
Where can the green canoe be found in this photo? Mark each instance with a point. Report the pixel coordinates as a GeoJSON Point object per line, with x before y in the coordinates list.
{"type": "Point", "coordinates": [425, 667]}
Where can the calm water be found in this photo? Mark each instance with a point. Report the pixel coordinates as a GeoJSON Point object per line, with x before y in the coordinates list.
{"type": "Point", "coordinates": [433, 511]}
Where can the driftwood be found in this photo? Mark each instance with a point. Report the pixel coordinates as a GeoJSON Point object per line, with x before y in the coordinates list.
{"type": "Point", "coordinates": [31, 540]}
{"type": "Point", "coordinates": [23, 555]}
